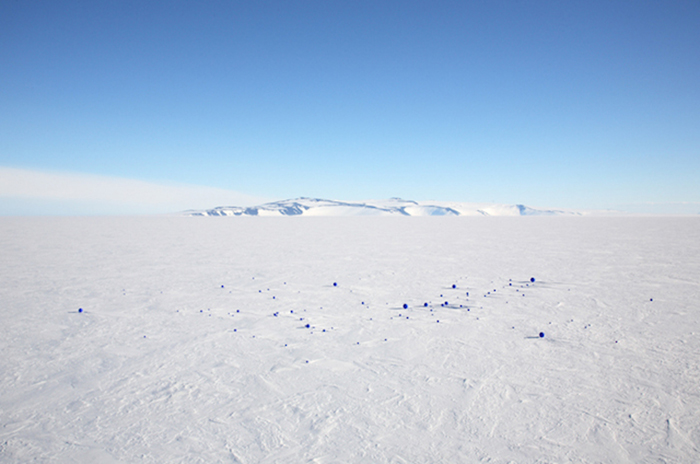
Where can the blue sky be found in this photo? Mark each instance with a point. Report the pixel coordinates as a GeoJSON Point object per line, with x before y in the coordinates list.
{"type": "Point", "coordinates": [569, 104]}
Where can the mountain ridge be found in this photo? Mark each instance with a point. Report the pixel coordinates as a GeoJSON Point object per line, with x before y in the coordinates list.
{"type": "Point", "coordinates": [305, 206]}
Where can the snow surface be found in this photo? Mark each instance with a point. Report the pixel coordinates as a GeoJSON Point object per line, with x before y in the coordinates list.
{"type": "Point", "coordinates": [192, 344]}
{"type": "Point", "coordinates": [391, 207]}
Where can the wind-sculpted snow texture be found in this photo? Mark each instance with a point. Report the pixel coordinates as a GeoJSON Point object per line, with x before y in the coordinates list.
{"type": "Point", "coordinates": [353, 340]}
{"type": "Point", "coordinates": [391, 207]}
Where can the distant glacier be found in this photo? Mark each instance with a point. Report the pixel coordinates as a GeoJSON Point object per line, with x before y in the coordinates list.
{"type": "Point", "coordinates": [392, 207]}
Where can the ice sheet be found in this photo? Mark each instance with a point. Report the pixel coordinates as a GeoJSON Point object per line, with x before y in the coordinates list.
{"type": "Point", "coordinates": [192, 345]}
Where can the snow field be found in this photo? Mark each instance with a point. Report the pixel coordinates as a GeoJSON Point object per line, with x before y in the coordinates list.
{"type": "Point", "coordinates": [192, 345]}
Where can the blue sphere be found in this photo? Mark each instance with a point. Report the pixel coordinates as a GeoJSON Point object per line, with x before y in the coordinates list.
{"type": "Point", "coordinates": [541, 334]}
{"type": "Point", "coordinates": [425, 304]}
{"type": "Point", "coordinates": [335, 284]}
{"type": "Point", "coordinates": [405, 306]}
{"type": "Point", "coordinates": [532, 279]}
{"type": "Point", "coordinates": [454, 286]}
{"type": "Point", "coordinates": [80, 310]}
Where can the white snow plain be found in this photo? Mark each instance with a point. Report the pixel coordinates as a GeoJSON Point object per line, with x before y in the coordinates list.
{"type": "Point", "coordinates": [192, 345]}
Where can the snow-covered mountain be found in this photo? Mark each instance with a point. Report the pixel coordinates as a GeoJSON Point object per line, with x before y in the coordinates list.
{"type": "Point", "coordinates": [391, 207]}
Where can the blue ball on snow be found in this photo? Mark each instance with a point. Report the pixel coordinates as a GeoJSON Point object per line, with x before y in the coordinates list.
{"type": "Point", "coordinates": [541, 334]}
{"type": "Point", "coordinates": [405, 306]}
{"type": "Point", "coordinates": [335, 284]}
{"type": "Point", "coordinates": [532, 279]}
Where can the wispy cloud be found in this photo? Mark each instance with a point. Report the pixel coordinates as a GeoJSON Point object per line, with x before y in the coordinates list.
{"type": "Point", "coordinates": [24, 191]}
